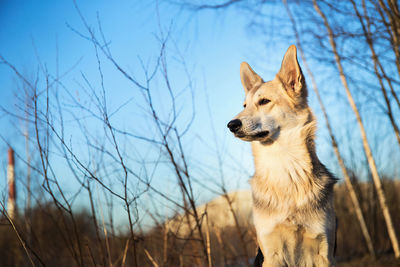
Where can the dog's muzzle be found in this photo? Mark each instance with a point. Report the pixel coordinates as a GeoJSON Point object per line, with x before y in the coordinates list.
{"type": "Point", "coordinates": [234, 125]}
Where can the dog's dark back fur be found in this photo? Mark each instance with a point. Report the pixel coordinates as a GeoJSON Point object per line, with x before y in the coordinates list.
{"type": "Point", "coordinates": [258, 261]}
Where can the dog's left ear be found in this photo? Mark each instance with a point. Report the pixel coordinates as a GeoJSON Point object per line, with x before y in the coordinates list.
{"type": "Point", "coordinates": [291, 76]}
{"type": "Point", "coordinates": [249, 77]}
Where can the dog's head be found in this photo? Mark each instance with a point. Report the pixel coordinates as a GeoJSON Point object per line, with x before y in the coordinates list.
{"type": "Point", "coordinates": [270, 107]}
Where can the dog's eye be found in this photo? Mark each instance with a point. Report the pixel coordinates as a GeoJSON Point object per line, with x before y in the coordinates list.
{"type": "Point", "coordinates": [244, 105]}
{"type": "Point", "coordinates": [263, 101]}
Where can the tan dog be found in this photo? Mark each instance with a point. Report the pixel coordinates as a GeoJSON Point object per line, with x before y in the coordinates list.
{"type": "Point", "coordinates": [292, 190]}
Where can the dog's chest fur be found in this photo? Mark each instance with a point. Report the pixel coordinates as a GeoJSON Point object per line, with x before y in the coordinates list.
{"type": "Point", "coordinates": [290, 185]}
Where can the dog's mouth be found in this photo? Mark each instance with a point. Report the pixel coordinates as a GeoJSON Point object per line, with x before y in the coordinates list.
{"type": "Point", "coordinates": [262, 134]}
{"type": "Point", "coordinates": [257, 136]}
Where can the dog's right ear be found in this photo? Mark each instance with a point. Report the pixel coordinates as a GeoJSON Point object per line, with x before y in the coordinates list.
{"type": "Point", "coordinates": [249, 78]}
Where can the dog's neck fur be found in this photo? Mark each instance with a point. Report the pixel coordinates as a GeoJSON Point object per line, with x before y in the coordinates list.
{"type": "Point", "coordinates": [288, 165]}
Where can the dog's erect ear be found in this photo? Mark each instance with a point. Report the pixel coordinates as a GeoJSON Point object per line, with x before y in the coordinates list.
{"type": "Point", "coordinates": [249, 78]}
{"type": "Point", "coordinates": [291, 76]}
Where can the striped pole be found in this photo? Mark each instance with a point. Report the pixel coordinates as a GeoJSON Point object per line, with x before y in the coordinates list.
{"type": "Point", "coordinates": [11, 206]}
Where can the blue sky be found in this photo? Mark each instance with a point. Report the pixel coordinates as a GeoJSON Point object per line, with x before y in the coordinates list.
{"type": "Point", "coordinates": [34, 36]}
{"type": "Point", "coordinates": [212, 44]}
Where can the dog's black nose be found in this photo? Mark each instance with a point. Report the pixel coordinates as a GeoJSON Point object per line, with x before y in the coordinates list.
{"type": "Point", "coordinates": [234, 125]}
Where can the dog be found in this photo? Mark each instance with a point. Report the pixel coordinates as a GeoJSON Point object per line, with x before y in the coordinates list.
{"type": "Point", "coordinates": [292, 190]}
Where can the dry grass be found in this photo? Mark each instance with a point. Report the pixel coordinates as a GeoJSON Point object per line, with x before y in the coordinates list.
{"type": "Point", "coordinates": [52, 243]}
